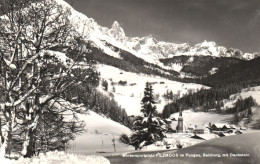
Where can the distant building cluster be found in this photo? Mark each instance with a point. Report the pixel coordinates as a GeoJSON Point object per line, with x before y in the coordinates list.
{"type": "Point", "coordinates": [221, 129]}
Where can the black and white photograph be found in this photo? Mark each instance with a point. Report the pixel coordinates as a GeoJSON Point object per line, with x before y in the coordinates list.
{"type": "Point", "coordinates": [129, 81]}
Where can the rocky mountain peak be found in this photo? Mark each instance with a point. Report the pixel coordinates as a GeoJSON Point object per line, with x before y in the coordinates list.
{"type": "Point", "coordinates": [115, 25]}
{"type": "Point", "coordinates": [117, 31]}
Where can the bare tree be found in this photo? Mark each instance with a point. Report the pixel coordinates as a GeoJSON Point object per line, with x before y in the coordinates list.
{"type": "Point", "coordinates": [35, 70]}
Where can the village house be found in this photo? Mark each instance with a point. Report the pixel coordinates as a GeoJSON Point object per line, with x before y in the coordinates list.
{"type": "Point", "coordinates": [201, 129]}
{"type": "Point", "coordinates": [190, 128]}
{"type": "Point", "coordinates": [220, 127]}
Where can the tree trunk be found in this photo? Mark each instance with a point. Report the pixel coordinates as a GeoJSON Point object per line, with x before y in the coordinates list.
{"type": "Point", "coordinates": [7, 139]}
{"type": "Point", "coordinates": [1, 135]}
{"type": "Point", "coordinates": [30, 140]}
{"type": "Point", "coordinates": [30, 149]}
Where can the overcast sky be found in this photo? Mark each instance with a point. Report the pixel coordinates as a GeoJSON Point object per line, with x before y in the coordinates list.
{"type": "Point", "coordinates": [231, 23]}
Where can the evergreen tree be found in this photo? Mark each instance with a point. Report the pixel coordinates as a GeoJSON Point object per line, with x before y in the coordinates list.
{"type": "Point", "coordinates": [148, 107]}
{"type": "Point", "coordinates": [249, 112]}
{"type": "Point", "coordinates": [147, 128]}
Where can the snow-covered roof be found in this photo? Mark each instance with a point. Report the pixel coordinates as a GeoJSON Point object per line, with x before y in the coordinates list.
{"type": "Point", "coordinates": [221, 125]}
{"type": "Point", "coordinates": [205, 136]}
{"type": "Point", "coordinates": [239, 131]}
{"type": "Point", "coordinates": [168, 120]}
{"type": "Point", "coordinates": [233, 126]}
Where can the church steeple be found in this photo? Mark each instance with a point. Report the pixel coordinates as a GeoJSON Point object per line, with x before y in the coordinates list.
{"type": "Point", "coordinates": [180, 128]}
{"type": "Point", "coordinates": [180, 112]}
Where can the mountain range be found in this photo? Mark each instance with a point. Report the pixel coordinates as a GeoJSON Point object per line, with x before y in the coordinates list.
{"type": "Point", "coordinates": [114, 42]}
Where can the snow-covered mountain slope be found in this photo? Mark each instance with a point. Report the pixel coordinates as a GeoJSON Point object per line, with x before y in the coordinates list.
{"type": "Point", "coordinates": [241, 72]}
{"type": "Point", "coordinates": [191, 117]}
{"type": "Point", "coordinates": [128, 87]}
{"type": "Point", "coordinates": [99, 134]}
{"type": "Point", "coordinates": [245, 93]}
{"type": "Point", "coordinates": [200, 118]}
{"type": "Point", "coordinates": [147, 48]}
{"type": "Point", "coordinates": [199, 66]}
{"type": "Point", "coordinates": [254, 92]}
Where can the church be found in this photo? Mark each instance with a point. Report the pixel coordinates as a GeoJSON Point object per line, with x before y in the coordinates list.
{"type": "Point", "coordinates": [180, 126]}
{"type": "Point", "coordinates": [177, 126]}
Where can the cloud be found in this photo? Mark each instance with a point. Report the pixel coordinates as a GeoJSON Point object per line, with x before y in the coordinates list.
{"type": "Point", "coordinates": [255, 21]}
{"type": "Point", "coordinates": [241, 6]}
{"type": "Point", "coordinates": [237, 4]}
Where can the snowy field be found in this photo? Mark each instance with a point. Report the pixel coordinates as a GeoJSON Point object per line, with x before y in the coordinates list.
{"type": "Point", "coordinates": [129, 96]}
{"type": "Point", "coordinates": [200, 118]}
{"type": "Point", "coordinates": [99, 134]}
{"type": "Point", "coordinates": [87, 147]}
{"type": "Point", "coordinates": [254, 92]}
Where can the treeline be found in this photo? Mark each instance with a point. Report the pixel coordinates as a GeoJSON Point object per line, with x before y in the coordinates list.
{"type": "Point", "coordinates": [242, 108]}
{"type": "Point", "coordinates": [223, 84]}
{"type": "Point", "coordinates": [131, 63]}
{"type": "Point", "coordinates": [200, 65]}
{"type": "Point", "coordinates": [245, 73]}
{"type": "Point", "coordinates": [99, 103]}
{"type": "Point", "coordinates": [204, 99]}
{"type": "Point", "coordinates": [242, 104]}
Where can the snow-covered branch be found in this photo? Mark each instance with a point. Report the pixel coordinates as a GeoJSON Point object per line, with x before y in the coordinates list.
{"type": "Point", "coordinates": [22, 99]}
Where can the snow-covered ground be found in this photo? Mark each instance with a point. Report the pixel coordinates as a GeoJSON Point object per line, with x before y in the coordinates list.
{"type": "Point", "coordinates": [129, 96]}
{"type": "Point", "coordinates": [254, 92]}
{"type": "Point", "coordinates": [245, 93]}
{"type": "Point", "coordinates": [58, 158]}
{"type": "Point", "coordinates": [99, 134]}
{"type": "Point", "coordinates": [172, 140]}
{"type": "Point", "coordinates": [247, 144]}
{"type": "Point", "coordinates": [200, 118]}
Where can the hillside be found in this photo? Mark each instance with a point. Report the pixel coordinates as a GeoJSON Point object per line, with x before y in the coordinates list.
{"type": "Point", "coordinates": [129, 62]}
{"type": "Point", "coordinates": [245, 72]}
{"type": "Point", "coordinates": [127, 88]}
{"type": "Point", "coordinates": [199, 66]}
{"type": "Point", "coordinates": [98, 135]}
{"type": "Point", "coordinates": [201, 118]}
{"type": "Point", "coordinates": [254, 92]}
{"type": "Point", "coordinates": [245, 93]}
{"type": "Point", "coordinates": [215, 99]}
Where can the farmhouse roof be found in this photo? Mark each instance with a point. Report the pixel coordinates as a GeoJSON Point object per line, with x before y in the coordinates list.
{"type": "Point", "coordinates": [221, 125]}
{"type": "Point", "coordinates": [204, 136]}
